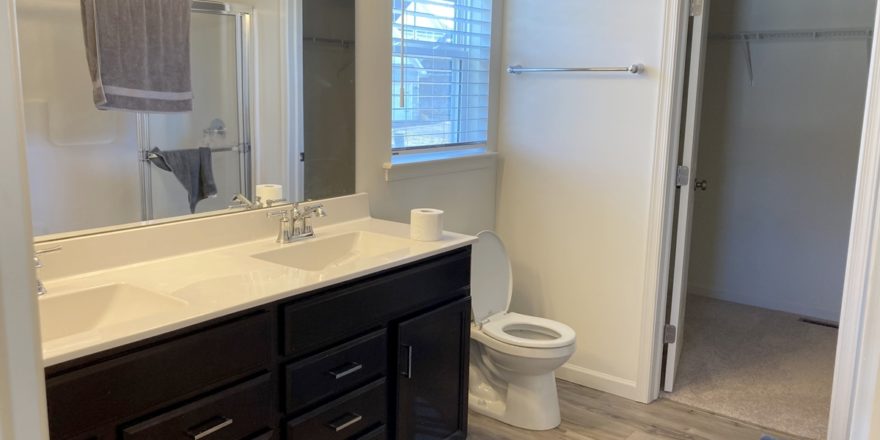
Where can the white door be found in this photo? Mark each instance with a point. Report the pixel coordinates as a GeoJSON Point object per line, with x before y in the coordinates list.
{"type": "Point", "coordinates": [687, 172]}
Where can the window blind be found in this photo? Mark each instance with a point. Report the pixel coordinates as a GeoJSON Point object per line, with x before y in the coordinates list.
{"type": "Point", "coordinates": [440, 73]}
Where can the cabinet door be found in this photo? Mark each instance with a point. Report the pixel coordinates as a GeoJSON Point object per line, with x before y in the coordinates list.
{"type": "Point", "coordinates": [432, 381]}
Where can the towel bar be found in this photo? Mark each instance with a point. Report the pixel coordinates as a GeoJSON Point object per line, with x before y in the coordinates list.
{"type": "Point", "coordinates": [633, 68]}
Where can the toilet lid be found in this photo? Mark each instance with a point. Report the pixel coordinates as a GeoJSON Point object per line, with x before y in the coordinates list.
{"type": "Point", "coordinates": [491, 281]}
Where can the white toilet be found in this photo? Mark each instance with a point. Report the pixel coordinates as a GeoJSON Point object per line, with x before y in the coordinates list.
{"type": "Point", "coordinates": [513, 356]}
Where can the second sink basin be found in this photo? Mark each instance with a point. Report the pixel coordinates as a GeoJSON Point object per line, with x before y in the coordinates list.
{"type": "Point", "coordinates": [85, 310]}
{"type": "Point", "coordinates": [340, 250]}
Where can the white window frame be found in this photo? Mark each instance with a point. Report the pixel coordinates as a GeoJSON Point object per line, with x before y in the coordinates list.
{"type": "Point", "coordinates": [412, 157]}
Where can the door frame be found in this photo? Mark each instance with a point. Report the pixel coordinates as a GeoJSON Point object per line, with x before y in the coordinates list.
{"type": "Point", "coordinates": [856, 382]}
{"type": "Point", "coordinates": [22, 389]}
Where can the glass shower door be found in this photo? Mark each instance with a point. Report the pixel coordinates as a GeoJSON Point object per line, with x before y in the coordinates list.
{"type": "Point", "coordinates": [218, 120]}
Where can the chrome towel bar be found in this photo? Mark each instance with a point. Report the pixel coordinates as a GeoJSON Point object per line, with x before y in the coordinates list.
{"type": "Point", "coordinates": [147, 155]}
{"type": "Point", "coordinates": [634, 69]}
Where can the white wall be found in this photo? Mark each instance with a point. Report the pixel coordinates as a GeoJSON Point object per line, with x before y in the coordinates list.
{"type": "Point", "coordinates": [22, 392]}
{"type": "Point", "coordinates": [467, 197]}
{"type": "Point", "coordinates": [780, 157]}
{"type": "Point", "coordinates": [575, 177]}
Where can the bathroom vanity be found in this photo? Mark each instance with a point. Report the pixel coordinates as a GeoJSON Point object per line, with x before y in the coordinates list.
{"type": "Point", "coordinates": [378, 350]}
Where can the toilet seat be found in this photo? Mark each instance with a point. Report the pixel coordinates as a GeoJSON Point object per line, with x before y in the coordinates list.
{"type": "Point", "coordinates": [491, 290]}
{"type": "Point", "coordinates": [480, 336]}
{"type": "Point", "coordinates": [529, 331]}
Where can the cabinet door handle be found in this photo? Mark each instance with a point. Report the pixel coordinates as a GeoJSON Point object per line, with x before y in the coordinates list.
{"type": "Point", "coordinates": [199, 432]}
{"type": "Point", "coordinates": [345, 421]}
{"type": "Point", "coordinates": [409, 355]}
{"type": "Point", "coordinates": [345, 370]}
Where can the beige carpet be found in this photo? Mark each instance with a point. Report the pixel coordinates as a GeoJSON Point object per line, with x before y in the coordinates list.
{"type": "Point", "coordinates": [756, 365]}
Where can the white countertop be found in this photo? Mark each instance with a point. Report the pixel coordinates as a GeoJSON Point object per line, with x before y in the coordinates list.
{"type": "Point", "coordinates": [220, 281]}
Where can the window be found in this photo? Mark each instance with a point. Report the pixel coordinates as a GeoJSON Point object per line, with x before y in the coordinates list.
{"type": "Point", "coordinates": [440, 79]}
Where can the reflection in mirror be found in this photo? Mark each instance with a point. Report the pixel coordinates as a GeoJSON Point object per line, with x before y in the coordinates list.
{"type": "Point", "coordinates": [219, 120]}
{"type": "Point", "coordinates": [328, 98]}
{"type": "Point", "coordinates": [91, 168]}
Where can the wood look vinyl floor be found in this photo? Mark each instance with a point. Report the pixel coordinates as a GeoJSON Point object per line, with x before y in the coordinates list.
{"type": "Point", "coordinates": [588, 414]}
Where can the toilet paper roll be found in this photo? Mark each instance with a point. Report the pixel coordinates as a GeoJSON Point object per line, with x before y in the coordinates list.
{"type": "Point", "coordinates": [270, 192]}
{"type": "Point", "coordinates": [426, 224]}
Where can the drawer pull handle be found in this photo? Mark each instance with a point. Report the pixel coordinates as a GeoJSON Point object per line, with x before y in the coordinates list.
{"type": "Point", "coordinates": [409, 362]}
{"type": "Point", "coordinates": [345, 421]}
{"type": "Point", "coordinates": [345, 370]}
{"type": "Point", "coordinates": [199, 433]}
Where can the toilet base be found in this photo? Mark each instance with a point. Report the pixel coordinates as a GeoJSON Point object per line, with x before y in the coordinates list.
{"type": "Point", "coordinates": [531, 402]}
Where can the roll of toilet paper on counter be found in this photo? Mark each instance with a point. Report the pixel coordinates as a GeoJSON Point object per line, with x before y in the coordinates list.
{"type": "Point", "coordinates": [270, 192]}
{"type": "Point", "coordinates": [426, 224]}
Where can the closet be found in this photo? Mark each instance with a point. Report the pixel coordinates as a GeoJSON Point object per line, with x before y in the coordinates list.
{"type": "Point", "coordinates": [782, 101]}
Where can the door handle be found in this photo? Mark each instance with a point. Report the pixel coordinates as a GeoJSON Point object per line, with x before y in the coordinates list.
{"type": "Point", "coordinates": [345, 370]}
{"type": "Point", "coordinates": [409, 360]}
{"type": "Point", "coordinates": [701, 184]}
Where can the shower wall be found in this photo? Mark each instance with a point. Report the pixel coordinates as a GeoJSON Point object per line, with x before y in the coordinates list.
{"type": "Point", "coordinates": [83, 164]}
{"type": "Point", "coordinates": [780, 156]}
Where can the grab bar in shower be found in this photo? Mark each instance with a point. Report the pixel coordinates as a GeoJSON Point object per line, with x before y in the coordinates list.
{"type": "Point", "coordinates": [633, 68]}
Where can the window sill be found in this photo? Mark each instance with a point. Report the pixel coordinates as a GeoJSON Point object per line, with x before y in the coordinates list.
{"type": "Point", "coordinates": [411, 166]}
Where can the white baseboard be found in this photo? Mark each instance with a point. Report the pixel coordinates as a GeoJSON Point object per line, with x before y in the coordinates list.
{"type": "Point", "coordinates": [782, 306]}
{"type": "Point", "coordinates": [600, 381]}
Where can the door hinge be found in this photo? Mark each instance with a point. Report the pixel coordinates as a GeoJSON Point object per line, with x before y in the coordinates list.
{"type": "Point", "coordinates": [302, 157]}
{"type": "Point", "coordinates": [696, 8]}
{"type": "Point", "coordinates": [669, 334]}
{"type": "Point", "coordinates": [682, 176]}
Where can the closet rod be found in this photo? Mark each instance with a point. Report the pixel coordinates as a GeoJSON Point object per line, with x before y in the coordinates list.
{"type": "Point", "coordinates": [336, 41]}
{"type": "Point", "coordinates": [795, 35]}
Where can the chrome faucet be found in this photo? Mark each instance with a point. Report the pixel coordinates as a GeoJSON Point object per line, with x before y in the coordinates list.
{"type": "Point", "coordinates": [244, 202]}
{"type": "Point", "coordinates": [304, 214]}
{"type": "Point", "coordinates": [294, 225]}
{"type": "Point", "coordinates": [286, 233]}
{"type": "Point", "coordinates": [41, 289]}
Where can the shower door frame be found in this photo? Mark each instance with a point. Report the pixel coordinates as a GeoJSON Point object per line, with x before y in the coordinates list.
{"type": "Point", "coordinates": [243, 37]}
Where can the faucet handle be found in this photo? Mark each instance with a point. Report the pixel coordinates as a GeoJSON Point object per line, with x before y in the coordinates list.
{"type": "Point", "coordinates": [316, 209]}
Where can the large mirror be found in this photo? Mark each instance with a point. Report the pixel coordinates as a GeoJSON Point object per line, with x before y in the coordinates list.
{"type": "Point", "coordinates": [93, 169]}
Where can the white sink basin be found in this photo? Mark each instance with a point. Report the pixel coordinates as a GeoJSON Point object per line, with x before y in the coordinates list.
{"type": "Point", "coordinates": [340, 250]}
{"type": "Point", "coordinates": [86, 310]}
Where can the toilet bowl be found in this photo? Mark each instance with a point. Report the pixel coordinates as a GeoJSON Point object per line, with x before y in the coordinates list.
{"type": "Point", "coordinates": [513, 356]}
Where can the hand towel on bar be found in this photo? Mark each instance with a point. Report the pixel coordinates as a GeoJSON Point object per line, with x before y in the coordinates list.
{"type": "Point", "coordinates": [192, 168]}
{"type": "Point", "coordinates": [138, 54]}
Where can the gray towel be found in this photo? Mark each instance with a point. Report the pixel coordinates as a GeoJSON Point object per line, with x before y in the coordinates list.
{"type": "Point", "coordinates": [192, 168]}
{"type": "Point", "coordinates": [138, 54]}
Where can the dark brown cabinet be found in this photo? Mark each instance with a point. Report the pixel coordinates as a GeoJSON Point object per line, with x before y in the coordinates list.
{"type": "Point", "coordinates": [432, 392]}
{"type": "Point", "coordinates": [381, 357]}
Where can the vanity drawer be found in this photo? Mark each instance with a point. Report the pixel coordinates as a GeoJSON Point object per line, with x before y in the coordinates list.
{"type": "Point", "coordinates": [336, 371]}
{"type": "Point", "coordinates": [325, 319]}
{"type": "Point", "coordinates": [361, 414]}
{"type": "Point", "coordinates": [231, 414]}
{"type": "Point", "coordinates": [127, 386]}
